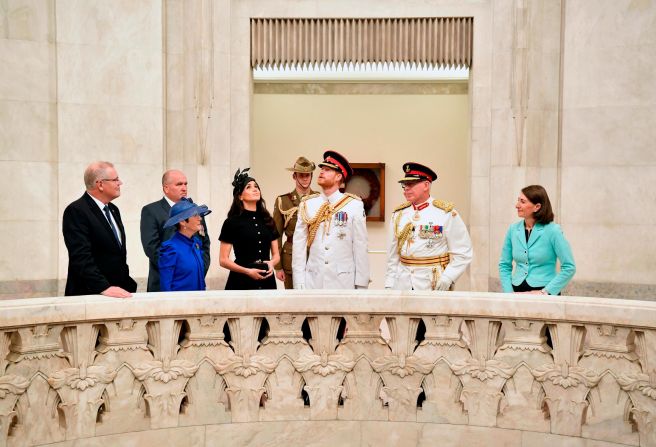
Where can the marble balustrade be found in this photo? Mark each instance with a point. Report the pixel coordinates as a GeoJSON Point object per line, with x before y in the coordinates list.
{"type": "Point", "coordinates": [85, 367]}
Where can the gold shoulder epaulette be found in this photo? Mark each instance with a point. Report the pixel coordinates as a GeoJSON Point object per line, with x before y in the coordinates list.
{"type": "Point", "coordinates": [444, 205]}
{"type": "Point", "coordinates": [402, 206]}
{"type": "Point", "coordinates": [353, 196]}
{"type": "Point", "coordinates": [310, 196]}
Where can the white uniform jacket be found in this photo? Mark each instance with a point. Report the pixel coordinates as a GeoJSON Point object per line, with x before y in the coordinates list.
{"type": "Point", "coordinates": [337, 257]}
{"type": "Point", "coordinates": [443, 232]}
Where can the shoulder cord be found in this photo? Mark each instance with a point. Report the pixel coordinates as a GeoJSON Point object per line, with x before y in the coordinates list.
{"type": "Point", "coordinates": [287, 214]}
{"type": "Point", "coordinates": [324, 213]}
{"type": "Point", "coordinates": [403, 235]}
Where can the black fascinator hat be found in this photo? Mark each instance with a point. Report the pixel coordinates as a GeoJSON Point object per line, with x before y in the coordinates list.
{"type": "Point", "coordinates": [240, 181]}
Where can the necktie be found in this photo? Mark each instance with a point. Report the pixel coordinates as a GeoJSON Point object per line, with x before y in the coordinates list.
{"type": "Point", "coordinates": [111, 224]}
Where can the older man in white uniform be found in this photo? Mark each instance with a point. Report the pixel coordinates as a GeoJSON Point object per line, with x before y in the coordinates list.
{"type": "Point", "coordinates": [330, 239]}
{"type": "Point", "coordinates": [429, 244]}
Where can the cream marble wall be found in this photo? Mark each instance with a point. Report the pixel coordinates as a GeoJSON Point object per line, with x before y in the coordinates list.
{"type": "Point", "coordinates": [28, 134]}
{"type": "Point", "coordinates": [609, 166]}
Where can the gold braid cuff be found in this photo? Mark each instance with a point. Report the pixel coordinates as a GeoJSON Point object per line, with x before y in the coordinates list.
{"type": "Point", "coordinates": [287, 214]}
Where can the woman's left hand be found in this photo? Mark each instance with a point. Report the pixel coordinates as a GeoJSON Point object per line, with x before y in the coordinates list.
{"type": "Point", "coordinates": [269, 270]}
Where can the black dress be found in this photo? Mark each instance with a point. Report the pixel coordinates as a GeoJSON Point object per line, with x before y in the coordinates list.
{"type": "Point", "coordinates": [251, 240]}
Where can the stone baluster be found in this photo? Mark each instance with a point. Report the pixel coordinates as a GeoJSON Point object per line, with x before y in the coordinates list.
{"type": "Point", "coordinates": [81, 387]}
{"type": "Point", "coordinates": [324, 370]}
{"type": "Point", "coordinates": [524, 348]}
{"type": "Point", "coordinates": [204, 345]}
{"type": "Point", "coordinates": [610, 351]}
{"type": "Point", "coordinates": [246, 371]}
{"type": "Point", "coordinates": [35, 353]}
{"type": "Point", "coordinates": [122, 344]}
{"type": "Point", "coordinates": [402, 371]}
{"type": "Point", "coordinates": [482, 376]}
{"type": "Point", "coordinates": [442, 344]}
{"type": "Point", "coordinates": [285, 343]}
{"type": "Point", "coordinates": [641, 387]}
{"type": "Point", "coordinates": [362, 344]}
{"type": "Point", "coordinates": [165, 377]}
{"type": "Point", "coordinates": [565, 382]}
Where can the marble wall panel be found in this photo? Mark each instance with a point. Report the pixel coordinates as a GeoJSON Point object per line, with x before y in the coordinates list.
{"type": "Point", "coordinates": [480, 151]}
{"type": "Point", "coordinates": [503, 150]}
{"type": "Point", "coordinates": [480, 201]}
{"type": "Point", "coordinates": [120, 134]}
{"type": "Point", "coordinates": [496, 237]}
{"type": "Point", "coordinates": [174, 138]}
{"type": "Point", "coordinates": [119, 23]}
{"type": "Point", "coordinates": [175, 81]}
{"type": "Point", "coordinates": [610, 195]}
{"type": "Point", "coordinates": [501, 75]}
{"type": "Point", "coordinates": [502, 20]}
{"type": "Point", "coordinates": [109, 75]}
{"type": "Point", "coordinates": [32, 240]}
{"type": "Point", "coordinates": [541, 138]}
{"type": "Point", "coordinates": [481, 243]}
{"type": "Point", "coordinates": [613, 253]}
{"type": "Point", "coordinates": [27, 20]}
{"type": "Point", "coordinates": [606, 76]}
{"type": "Point", "coordinates": [27, 195]}
{"type": "Point", "coordinates": [27, 70]}
{"type": "Point", "coordinates": [543, 78]}
{"type": "Point", "coordinates": [610, 23]}
{"type": "Point", "coordinates": [174, 26]}
{"type": "Point", "coordinates": [28, 131]}
{"type": "Point", "coordinates": [609, 136]}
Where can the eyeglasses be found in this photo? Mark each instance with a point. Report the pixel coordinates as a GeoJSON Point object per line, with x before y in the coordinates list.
{"type": "Point", "coordinates": [408, 185]}
{"type": "Point", "coordinates": [115, 180]}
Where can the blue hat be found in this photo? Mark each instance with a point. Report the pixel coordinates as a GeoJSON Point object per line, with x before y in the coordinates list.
{"type": "Point", "coordinates": [185, 209]}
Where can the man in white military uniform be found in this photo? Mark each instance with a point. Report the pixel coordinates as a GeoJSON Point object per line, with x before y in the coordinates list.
{"type": "Point", "coordinates": [330, 239]}
{"type": "Point", "coordinates": [429, 244]}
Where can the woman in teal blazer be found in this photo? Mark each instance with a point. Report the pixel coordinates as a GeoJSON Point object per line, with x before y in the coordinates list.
{"type": "Point", "coordinates": [534, 244]}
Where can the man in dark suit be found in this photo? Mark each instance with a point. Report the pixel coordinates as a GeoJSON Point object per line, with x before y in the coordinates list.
{"type": "Point", "coordinates": [153, 216]}
{"type": "Point", "coordinates": [95, 238]}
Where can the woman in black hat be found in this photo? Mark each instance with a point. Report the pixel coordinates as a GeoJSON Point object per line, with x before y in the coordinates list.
{"type": "Point", "coordinates": [250, 231]}
{"type": "Point", "coordinates": [181, 265]}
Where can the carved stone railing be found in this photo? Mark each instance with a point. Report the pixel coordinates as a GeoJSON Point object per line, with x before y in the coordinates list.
{"type": "Point", "coordinates": [522, 367]}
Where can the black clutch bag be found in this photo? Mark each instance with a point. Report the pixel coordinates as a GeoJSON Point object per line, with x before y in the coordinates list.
{"type": "Point", "coordinates": [260, 266]}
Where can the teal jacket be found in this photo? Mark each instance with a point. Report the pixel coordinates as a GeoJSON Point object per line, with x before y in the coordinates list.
{"type": "Point", "coordinates": [535, 262]}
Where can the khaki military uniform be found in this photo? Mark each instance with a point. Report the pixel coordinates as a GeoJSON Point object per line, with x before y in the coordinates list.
{"type": "Point", "coordinates": [285, 214]}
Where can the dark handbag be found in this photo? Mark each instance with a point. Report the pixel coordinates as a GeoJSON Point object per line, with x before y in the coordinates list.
{"type": "Point", "coordinates": [260, 266]}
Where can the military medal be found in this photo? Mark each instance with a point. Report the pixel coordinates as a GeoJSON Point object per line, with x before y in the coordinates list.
{"type": "Point", "coordinates": [341, 218]}
{"type": "Point", "coordinates": [417, 209]}
{"type": "Point", "coordinates": [430, 232]}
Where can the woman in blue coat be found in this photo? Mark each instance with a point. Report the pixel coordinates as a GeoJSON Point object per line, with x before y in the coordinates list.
{"type": "Point", "coordinates": [181, 265]}
{"type": "Point", "coordinates": [534, 244]}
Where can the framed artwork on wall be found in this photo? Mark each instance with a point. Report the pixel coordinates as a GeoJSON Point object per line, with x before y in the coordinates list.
{"type": "Point", "coordinates": [368, 182]}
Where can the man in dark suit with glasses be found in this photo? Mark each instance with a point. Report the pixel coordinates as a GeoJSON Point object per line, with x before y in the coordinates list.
{"type": "Point", "coordinates": [95, 237]}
